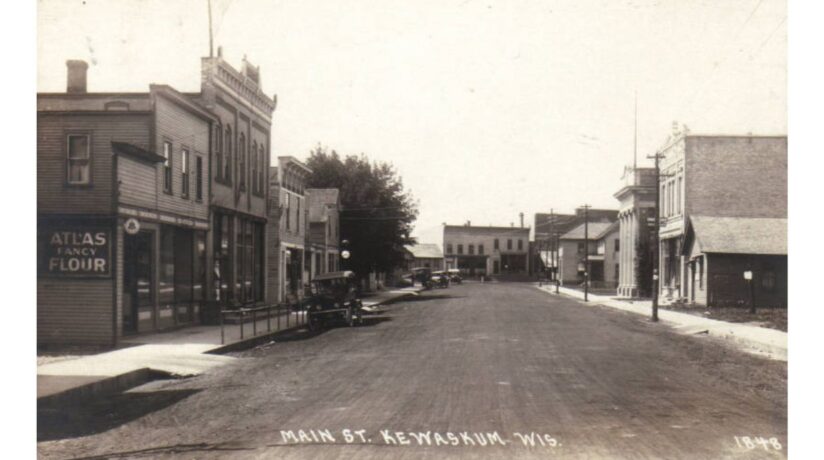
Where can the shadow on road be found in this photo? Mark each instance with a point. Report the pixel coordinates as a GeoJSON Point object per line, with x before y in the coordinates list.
{"type": "Point", "coordinates": [101, 414]}
{"type": "Point", "coordinates": [426, 297]}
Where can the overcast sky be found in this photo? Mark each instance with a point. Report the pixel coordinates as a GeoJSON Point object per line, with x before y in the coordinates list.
{"type": "Point", "coordinates": [486, 108]}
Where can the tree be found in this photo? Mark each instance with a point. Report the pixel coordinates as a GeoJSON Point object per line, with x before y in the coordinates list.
{"type": "Point", "coordinates": [377, 214]}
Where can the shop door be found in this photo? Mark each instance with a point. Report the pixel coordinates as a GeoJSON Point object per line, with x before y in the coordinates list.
{"type": "Point", "coordinates": [184, 275]}
{"type": "Point", "coordinates": [137, 278]}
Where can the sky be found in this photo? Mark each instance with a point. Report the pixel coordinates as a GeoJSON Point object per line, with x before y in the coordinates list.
{"type": "Point", "coordinates": [486, 108]}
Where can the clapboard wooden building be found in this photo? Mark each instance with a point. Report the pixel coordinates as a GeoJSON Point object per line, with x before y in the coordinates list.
{"type": "Point", "coordinates": [151, 205]}
{"type": "Point", "coordinates": [123, 211]}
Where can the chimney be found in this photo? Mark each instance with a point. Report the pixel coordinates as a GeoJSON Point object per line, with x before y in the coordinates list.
{"type": "Point", "coordinates": [76, 81]}
{"type": "Point", "coordinates": [522, 219]}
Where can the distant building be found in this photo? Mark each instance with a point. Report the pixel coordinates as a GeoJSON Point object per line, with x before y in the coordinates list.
{"type": "Point", "coordinates": [287, 229]}
{"type": "Point", "coordinates": [599, 243]}
{"type": "Point", "coordinates": [636, 217]}
{"type": "Point", "coordinates": [549, 227]}
{"type": "Point", "coordinates": [477, 250]}
{"type": "Point", "coordinates": [424, 255]}
{"type": "Point", "coordinates": [323, 237]}
{"type": "Point", "coordinates": [723, 205]}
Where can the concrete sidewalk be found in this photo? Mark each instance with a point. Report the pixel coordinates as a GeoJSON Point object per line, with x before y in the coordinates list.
{"type": "Point", "coordinates": [753, 339]}
{"type": "Point", "coordinates": [181, 353]}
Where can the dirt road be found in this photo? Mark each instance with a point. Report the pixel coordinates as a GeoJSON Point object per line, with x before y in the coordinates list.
{"type": "Point", "coordinates": [473, 371]}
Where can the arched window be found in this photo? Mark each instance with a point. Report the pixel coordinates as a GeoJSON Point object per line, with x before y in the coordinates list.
{"type": "Point", "coordinates": [227, 152]}
{"type": "Point", "coordinates": [241, 151]}
{"type": "Point", "coordinates": [219, 153]}
{"type": "Point", "coordinates": [263, 169]}
{"type": "Point", "coordinates": [254, 167]}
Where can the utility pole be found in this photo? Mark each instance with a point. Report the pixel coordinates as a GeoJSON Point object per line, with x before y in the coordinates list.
{"type": "Point", "coordinates": [586, 253]}
{"type": "Point", "coordinates": [656, 246]}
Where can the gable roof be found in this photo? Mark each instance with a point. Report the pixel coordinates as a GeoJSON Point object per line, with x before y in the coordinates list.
{"type": "Point", "coordinates": [596, 230]}
{"type": "Point", "coordinates": [425, 251]}
{"type": "Point", "coordinates": [740, 235]}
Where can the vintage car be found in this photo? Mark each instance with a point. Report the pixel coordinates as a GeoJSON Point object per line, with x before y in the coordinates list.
{"type": "Point", "coordinates": [440, 279]}
{"type": "Point", "coordinates": [455, 275]}
{"type": "Point", "coordinates": [423, 275]}
{"type": "Point", "coordinates": [334, 297]}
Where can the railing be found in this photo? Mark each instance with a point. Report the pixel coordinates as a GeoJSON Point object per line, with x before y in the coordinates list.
{"type": "Point", "coordinates": [259, 313]}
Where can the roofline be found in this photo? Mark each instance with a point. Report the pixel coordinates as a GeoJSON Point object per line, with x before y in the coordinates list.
{"type": "Point", "coordinates": [480, 227]}
{"type": "Point", "coordinates": [94, 95]}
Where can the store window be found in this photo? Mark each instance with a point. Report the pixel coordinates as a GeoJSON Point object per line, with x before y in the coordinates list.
{"type": "Point", "coordinates": [166, 285]}
{"type": "Point", "coordinates": [78, 156]}
{"type": "Point", "coordinates": [167, 167]}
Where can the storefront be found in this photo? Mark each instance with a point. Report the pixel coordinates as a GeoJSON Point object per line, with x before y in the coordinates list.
{"type": "Point", "coordinates": [239, 251]}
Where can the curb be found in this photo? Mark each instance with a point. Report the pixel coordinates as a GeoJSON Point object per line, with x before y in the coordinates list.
{"type": "Point", "coordinates": [106, 385]}
{"type": "Point", "coordinates": [739, 335]}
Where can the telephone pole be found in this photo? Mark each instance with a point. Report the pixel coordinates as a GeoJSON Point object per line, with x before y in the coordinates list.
{"type": "Point", "coordinates": [657, 242]}
{"type": "Point", "coordinates": [586, 252]}
{"type": "Point", "coordinates": [549, 241]}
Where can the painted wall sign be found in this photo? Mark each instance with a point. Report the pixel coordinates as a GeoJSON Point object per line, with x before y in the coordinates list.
{"type": "Point", "coordinates": [77, 252]}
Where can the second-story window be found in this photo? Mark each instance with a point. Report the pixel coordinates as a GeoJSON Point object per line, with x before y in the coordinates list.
{"type": "Point", "coordinates": [254, 167]}
{"type": "Point", "coordinates": [496, 244]}
{"type": "Point", "coordinates": [288, 210]}
{"type": "Point", "coordinates": [663, 204]}
{"type": "Point", "coordinates": [241, 152]}
{"type": "Point", "coordinates": [617, 245]}
{"type": "Point", "coordinates": [184, 173]}
{"type": "Point", "coordinates": [449, 248]}
{"type": "Point", "coordinates": [509, 244]}
{"type": "Point", "coordinates": [678, 197]}
{"type": "Point", "coordinates": [297, 216]}
{"type": "Point", "coordinates": [227, 152]}
{"type": "Point", "coordinates": [78, 171]}
{"type": "Point", "coordinates": [262, 170]}
{"type": "Point", "coordinates": [471, 249]}
{"type": "Point", "coordinates": [460, 249]}
{"type": "Point", "coordinates": [167, 167]}
{"type": "Point", "coordinates": [219, 153]}
{"type": "Point", "coordinates": [481, 249]}
{"type": "Point", "coordinates": [199, 178]}
{"type": "Point", "coordinates": [520, 245]}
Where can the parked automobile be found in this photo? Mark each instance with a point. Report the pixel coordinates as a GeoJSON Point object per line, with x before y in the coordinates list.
{"type": "Point", "coordinates": [455, 275]}
{"type": "Point", "coordinates": [423, 275]}
{"type": "Point", "coordinates": [334, 296]}
{"type": "Point", "coordinates": [440, 279]}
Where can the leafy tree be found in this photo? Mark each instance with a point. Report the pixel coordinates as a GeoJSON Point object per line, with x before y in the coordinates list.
{"type": "Point", "coordinates": [377, 214]}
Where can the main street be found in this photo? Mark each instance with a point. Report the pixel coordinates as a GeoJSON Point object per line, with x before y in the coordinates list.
{"type": "Point", "coordinates": [474, 371]}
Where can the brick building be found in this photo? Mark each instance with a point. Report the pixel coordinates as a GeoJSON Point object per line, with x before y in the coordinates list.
{"type": "Point", "coordinates": [476, 250]}
{"type": "Point", "coordinates": [636, 216]}
{"type": "Point", "coordinates": [239, 166]}
{"type": "Point", "coordinates": [704, 180]}
{"type": "Point", "coordinates": [288, 269]}
{"type": "Point", "coordinates": [123, 211]}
